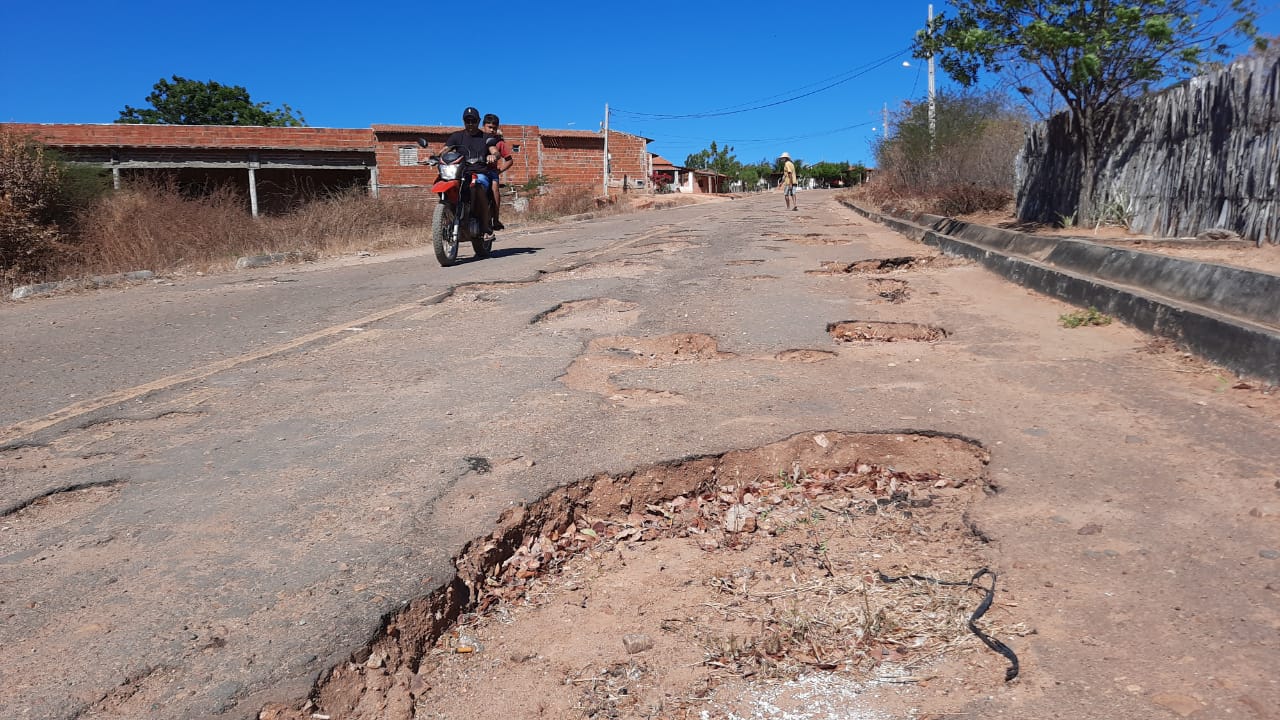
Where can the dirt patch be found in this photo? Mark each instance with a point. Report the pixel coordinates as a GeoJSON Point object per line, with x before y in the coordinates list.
{"type": "Point", "coordinates": [1258, 397]}
{"type": "Point", "coordinates": [895, 291]}
{"type": "Point", "coordinates": [593, 371]}
{"type": "Point", "coordinates": [875, 331]}
{"type": "Point", "coordinates": [659, 202]}
{"type": "Point", "coordinates": [804, 355]}
{"type": "Point", "coordinates": [697, 588]}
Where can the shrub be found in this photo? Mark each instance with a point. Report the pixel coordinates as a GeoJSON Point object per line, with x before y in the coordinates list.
{"type": "Point", "coordinates": [965, 198]}
{"type": "Point", "coordinates": [1084, 318]}
{"type": "Point", "coordinates": [30, 240]}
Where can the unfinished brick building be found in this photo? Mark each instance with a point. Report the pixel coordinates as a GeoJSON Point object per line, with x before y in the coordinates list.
{"type": "Point", "coordinates": [277, 166]}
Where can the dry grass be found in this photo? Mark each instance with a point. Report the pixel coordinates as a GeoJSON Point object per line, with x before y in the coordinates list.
{"type": "Point", "coordinates": [153, 225]}
{"type": "Point", "coordinates": [559, 202]}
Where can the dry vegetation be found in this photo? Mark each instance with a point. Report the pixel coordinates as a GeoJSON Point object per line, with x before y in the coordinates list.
{"type": "Point", "coordinates": [966, 167]}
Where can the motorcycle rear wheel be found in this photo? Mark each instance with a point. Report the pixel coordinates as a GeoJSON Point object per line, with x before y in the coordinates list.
{"type": "Point", "coordinates": [482, 246]}
{"type": "Point", "coordinates": [444, 234]}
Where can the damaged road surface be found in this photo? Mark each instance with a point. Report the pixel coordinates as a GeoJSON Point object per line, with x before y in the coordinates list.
{"type": "Point", "coordinates": [650, 465]}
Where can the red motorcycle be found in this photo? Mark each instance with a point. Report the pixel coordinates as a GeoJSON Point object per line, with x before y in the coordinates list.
{"type": "Point", "coordinates": [463, 211]}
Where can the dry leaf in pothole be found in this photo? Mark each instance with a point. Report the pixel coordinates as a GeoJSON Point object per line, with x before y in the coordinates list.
{"type": "Point", "coordinates": [822, 440]}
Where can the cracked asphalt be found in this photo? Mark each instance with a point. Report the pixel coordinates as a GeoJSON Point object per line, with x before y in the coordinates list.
{"type": "Point", "coordinates": [243, 474]}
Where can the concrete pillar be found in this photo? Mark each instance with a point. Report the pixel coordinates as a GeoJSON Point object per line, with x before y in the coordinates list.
{"type": "Point", "coordinates": [253, 183]}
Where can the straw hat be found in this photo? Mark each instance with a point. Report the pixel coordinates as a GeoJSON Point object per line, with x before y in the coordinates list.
{"type": "Point", "coordinates": [785, 155]}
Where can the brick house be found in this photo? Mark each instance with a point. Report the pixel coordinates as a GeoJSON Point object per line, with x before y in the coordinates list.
{"type": "Point", "coordinates": [275, 166]}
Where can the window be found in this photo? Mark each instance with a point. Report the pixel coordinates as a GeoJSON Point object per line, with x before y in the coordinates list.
{"type": "Point", "coordinates": [409, 155]}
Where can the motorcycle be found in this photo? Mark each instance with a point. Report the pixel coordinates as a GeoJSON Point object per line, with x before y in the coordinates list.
{"type": "Point", "coordinates": [464, 206]}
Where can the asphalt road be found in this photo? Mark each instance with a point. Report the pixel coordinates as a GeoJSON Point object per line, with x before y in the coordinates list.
{"type": "Point", "coordinates": [270, 461]}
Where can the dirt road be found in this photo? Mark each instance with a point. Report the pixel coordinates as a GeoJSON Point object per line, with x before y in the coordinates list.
{"type": "Point", "coordinates": [235, 506]}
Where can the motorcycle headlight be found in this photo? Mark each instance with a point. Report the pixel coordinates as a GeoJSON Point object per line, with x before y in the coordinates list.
{"type": "Point", "coordinates": [449, 172]}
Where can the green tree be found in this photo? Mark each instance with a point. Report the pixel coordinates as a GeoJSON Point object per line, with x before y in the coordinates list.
{"type": "Point", "coordinates": [191, 102]}
{"type": "Point", "coordinates": [716, 159]}
{"type": "Point", "coordinates": [1093, 53]}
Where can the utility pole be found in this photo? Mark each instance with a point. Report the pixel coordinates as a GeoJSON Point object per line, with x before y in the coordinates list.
{"type": "Point", "coordinates": [606, 149]}
{"type": "Point", "coordinates": [885, 127]}
{"type": "Point", "coordinates": [933, 109]}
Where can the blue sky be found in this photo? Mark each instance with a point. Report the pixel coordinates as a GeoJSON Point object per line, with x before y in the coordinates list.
{"type": "Point", "coordinates": [550, 63]}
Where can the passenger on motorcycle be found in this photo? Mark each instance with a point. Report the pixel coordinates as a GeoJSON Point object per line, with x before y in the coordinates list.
{"type": "Point", "coordinates": [475, 144]}
{"type": "Point", "coordinates": [499, 162]}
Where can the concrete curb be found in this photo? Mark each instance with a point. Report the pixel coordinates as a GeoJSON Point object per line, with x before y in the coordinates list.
{"type": "Point", "coordinates": [1225, 314]}
{"type": "Point", "coordinates": [97, 281]}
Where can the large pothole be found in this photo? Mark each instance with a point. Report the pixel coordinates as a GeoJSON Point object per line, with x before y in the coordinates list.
{"type": "Point", "coordinates": [881, 265]}
{"type": "Point", "coordinates": [878, 331]}
{"type": "Point", "coordinates": [691, 588]}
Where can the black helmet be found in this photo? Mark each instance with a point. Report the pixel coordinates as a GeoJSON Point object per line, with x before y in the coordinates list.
{"type": "Point", "coordinates": [470, 114]}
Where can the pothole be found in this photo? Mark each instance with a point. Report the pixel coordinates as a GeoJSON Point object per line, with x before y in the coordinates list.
{"type": "Point", "coordinates": [883, 265]}
{"type": "Point", "coordinates": [891, 289]}
{"type": "Point", "coordinates": [819, 239]}
{"type": "Point", "coordinates": [689, 587]}
{"type": "Point", "coordinates": [60, 504]}
{"type": "Point", "coordinates": [804, 355]}
{"type": "Point", "coordinates": [593, 371]}
{"type": "Point", "coordinates": [484, 292]}
{"type": "Point", "coordinates": [611, 269]}
{"type": "Point", "coordinates": [596, 313]}
{"type": "Point", "coordinates": [670, 246]}
{"type": "Point", "coordinates": [876, 331]}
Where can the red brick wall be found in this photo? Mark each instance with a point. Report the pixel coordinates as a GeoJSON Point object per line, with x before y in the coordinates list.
{"type": "Point", "coordinates": [568, 157]}
{"type": "Point", "coordinates": [197, 136]}
{"type": "Point", "coordinates": [630, 159]}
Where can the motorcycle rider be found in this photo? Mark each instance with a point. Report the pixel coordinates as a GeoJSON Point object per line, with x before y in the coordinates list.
{"type": "Point", "coordinates": [475, 145]}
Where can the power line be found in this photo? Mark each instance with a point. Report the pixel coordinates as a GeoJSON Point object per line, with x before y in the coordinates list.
{"type": "Point", "coordinates": [843, 78]}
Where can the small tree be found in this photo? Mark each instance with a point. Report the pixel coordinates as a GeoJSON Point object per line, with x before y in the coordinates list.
{"type": "Point", "coordinates": [192, 102]}
{"type": "Point", "coordinates": [1092, 53]}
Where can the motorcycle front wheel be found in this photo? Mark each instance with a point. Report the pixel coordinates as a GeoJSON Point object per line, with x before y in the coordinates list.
{"type": "Point", "coordinates": [444, 234]}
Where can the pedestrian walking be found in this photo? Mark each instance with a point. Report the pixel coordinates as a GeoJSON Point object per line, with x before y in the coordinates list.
{"type": "Point", "coordinates": [789, 182]}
